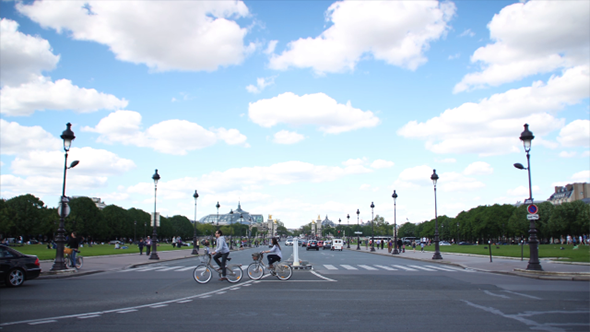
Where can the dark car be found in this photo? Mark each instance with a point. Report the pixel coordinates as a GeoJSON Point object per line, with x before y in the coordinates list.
{"type": "Point", "coordinates": [327, 245]}
{"type": "Point", "coordinates": [16, 267]}
{"type": "Point", "coordinates": [304, 243]}
{"type": "Point", "coordinates": [313, 244]}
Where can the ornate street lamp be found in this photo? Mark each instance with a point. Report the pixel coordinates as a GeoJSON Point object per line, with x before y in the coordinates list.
{"type": "Point", "coordinates": [339, 221]}
{"type": "Point", "coordinates": [395, 251]}
{"type": "Point", "coordinates": [134, 230]}
{"type": "Point", "coordinates": [437, 254]}
{"type": "Point", "coordinates": [358, 235]}
{"type": "Point", "coordinates": [154, 254]}
{"type": "Point", "coordinates": [231, 222]}
{"type": "Point", "coordinates": [195, 251]}
{"type": "Point", "coordinates": [241, 222]}
{"type": "Point", "coordinates": [217, 206]}
{"type": "Point", "coordinates": [458, 233]}
{"type": "Point", "coordinates": [348, 239]}
{"type": "Point", "coordinates": [372, 228]}
{"type": "Point", "coordinates": [59, 263]}
{"type": "Point", "coordinates": [527, 137]}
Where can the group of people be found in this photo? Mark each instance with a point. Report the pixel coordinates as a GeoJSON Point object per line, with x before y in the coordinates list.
{"type": "Point", "coordinates": [147, 243]}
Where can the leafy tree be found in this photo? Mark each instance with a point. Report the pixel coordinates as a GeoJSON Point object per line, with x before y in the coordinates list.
{"type": "Point", "coordinates": [85, 218]}
{"type": "Point", "coordinates": [26, 215]}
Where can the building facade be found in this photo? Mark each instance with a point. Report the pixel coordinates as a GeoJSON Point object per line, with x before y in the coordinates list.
{"type": "Point", "coordinates": [237, 216]}
{"type": "Point", "coordinates": [571, 192]}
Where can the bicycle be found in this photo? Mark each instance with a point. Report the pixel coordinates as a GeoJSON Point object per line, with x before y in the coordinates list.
{"type": "Point", "coordinates": [280, 270]}
{"type": "Point", "coordinates": [202, 273]}
{"type": "Point", "coordinates": [68, 260]}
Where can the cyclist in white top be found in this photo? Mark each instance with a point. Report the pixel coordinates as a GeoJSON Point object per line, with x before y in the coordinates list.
{"type": "Point", "coordinates": [222, 251]}
{"type": "Point", "coordinates": [275, 254]}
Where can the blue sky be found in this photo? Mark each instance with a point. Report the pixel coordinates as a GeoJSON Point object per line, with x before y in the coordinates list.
{"type": "Point", "coordinates": [296, 109]}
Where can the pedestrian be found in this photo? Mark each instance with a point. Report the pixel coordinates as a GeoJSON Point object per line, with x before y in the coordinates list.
{"type": "Point", "coordinates": [421, 246]}
{"type": "Point", "coordinates": [382, 243]}
{"type": "Point", "coordinates": [389, 246]}
{"type": "Point", "coordinates": [140, 244]}
{"type": "Point", "coordinates": [148, 246]}
{"type": "Point", "coordinates": [399, 244]}
{"type": "Point", "coordinates": [414, 246]}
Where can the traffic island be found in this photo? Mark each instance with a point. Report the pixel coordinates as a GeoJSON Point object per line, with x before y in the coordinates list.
{"type": "Point", "coordinates": [303, 265]}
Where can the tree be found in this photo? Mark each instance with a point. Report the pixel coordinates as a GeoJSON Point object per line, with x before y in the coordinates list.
{"type": "Point", "coordinates": [85, 218]}
{"type": "Point", "coordinates": [406, 230]}
{"type": "Point", "coordinates": [25, 213]}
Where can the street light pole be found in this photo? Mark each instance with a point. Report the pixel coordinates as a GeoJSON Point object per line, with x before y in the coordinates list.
{"type": "Point", "coordinates": [217, 206]}
{"type": "Point", "coordinates": [339, 221]}
{"type": "Point", "coordinates": [395, 251]}
{"type": "Point", "coordinates": [154, 254]}
{"type": "Point", "coordinates": [134, 230]}
{"type": "Point", "coordinates": [527, 137]}
{"type": "Point", "coordinates": [231, 232]}
{"type": "Point", "coordinates": [372, 228]}
{"type": "Point", "coordinates": [59, 263]}
{"type": "Point", "coordinates": [458, 233]}
{"type": "Point", "coordinates": [358, 235]}
{"type": "Point", "coordinates": [437, 254]}
{"type": "Point", "coordinates": [195, 251]}
{"type": "Point", "coordinates": [348, 239]}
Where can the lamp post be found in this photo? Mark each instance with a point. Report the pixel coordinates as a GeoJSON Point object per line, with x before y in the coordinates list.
{"type": "Point", "coordinates": [348, 239]}
{"type": "Point", "coordinates": [372, 228]}
{"type": "Point", "coordinates": [144, 229]}
{"type": "Point", "coordinates": [250, 233]}
{"type": "Point", "coordinates": [134, 230]}
{"type": "Point", "coordinates": [395, 251]}
{"type": "Point", "coordinates": [241, 223]}
{"type": "Point", "coordinates": [217, 206]}
{"type": "Point", "coordinates": [195, 251]}
{"type": "Point", "coordinates": [437, 254]}
{"type": "Point", "coordinates": [154, 254]}
{"type": "Point", "coordinates": [358, 235]}
{"type": "Point", "coordinates": [527, 137]}
{"type": "Point", "coordinates": [59, 263]}
{"type": "Point", "coordinates": [231, 222]}
{"type": "Point", "coordinates": [339, 221]}
{"type": "Point", "coordinates": [458, 233]}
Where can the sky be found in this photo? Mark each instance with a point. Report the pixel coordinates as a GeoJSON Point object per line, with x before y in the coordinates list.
{"type": "Point", "coordinates": [295, 108]}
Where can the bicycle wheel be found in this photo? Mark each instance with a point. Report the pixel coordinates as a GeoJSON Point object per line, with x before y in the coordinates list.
{"type": "Point", "coordinates": [67, 261]}
{"type": "Point", "coordinates": [283, 271]}
{"type": "Point", "coordinates": [79, 262]}
{"type": "Point", "coordinates": [255, 271]}
{"type": "Point", "coordinates": [233, 273]}
{"type": "Point", "coordinates": [202, 274]}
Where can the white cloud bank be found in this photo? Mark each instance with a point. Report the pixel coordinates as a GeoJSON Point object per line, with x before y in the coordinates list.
{"type": "Point", "coordinates": [312, 109]}
{"type": "Point", "coordinates": [261, 84]}
{"type": "Point", "coordinates": [164, 35]}
{"type": "Point", "coordinates": [287, 137]}
{"type": "Point", "coordinates": [397, 32]}
{"type": "Point", "coordinates": [530, 38]}
{"type": "Point", "coordinates": [170, 136]}
{"type": "Point", "coordinates": [576, 133]}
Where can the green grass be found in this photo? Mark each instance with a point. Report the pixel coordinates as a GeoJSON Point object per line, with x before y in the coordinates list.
{"type": "Point", "coordinates": [582, 254]}
{"type": "Point", "coordinates": [41, 251]}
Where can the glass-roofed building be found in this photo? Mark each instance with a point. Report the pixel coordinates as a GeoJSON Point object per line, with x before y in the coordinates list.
{"type": "Point", "coordinates": [235, 216]}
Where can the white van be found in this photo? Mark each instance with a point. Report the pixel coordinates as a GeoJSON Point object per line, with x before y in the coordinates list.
{"type": "Point", "coordinates": [337, 244]}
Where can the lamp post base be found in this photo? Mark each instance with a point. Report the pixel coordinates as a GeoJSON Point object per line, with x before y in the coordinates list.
{"type": "Point", "coordinates": [195, 251]}
{"type": "Point", "coordinates": [437, 255]}
{"type": "Point", "coordinates": [155, 256]}
{"type": "Point", "coordinates": [395, 252]}
{"type": "Point", "coordinates": [534, 266]}
{"type": "Point", "coordinates": [372, 248]}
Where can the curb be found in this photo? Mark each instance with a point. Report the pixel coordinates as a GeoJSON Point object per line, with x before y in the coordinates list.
{"type": "Point", "coordinates": [66, 274]}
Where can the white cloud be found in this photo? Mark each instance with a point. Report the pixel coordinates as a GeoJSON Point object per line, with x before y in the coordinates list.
{"type": "Point", "coordinates": [452, 181]}
{"type": "Point", "coordinates": [287, 137]}
{"type": "Point", "coordinates": [419, 176]}
{"type": "Point", "coordinates": [355, 162]}
{"type": "Point", "coordinates": [380, 163]}
{"type": "Point", "coordinates": [24, 57]}
{"type": "Point", "coordinates": [414, 177]}
{"type": "Point", "coordinates": [467, 32]}
{"type": "Point", "coordinates": [261, 84]}
{"type": "Point", "coordinates": [478, 168]}
{"type": "Point", "coordinates": [446, 160]}
{"type": "Point", "coordinates": [583, 176]}
{"type": "Point", "coordinates": [492, 126]}
{"type": "Point", "coordinates": [16, 139]}
{"type": "Point", "coordinates": [531, 38]}
{"type": "Point", "coordinates": [270, 49]}
{"type": "Point", "coordinates": [397, 32]}
{"type": "Point", "coordinates": [312, 109]}
{"type": "Point", "coordinates": [567, 154]}
{"type": "Point", "coordinates": [170, 136]}
{"type": "Point", "coordinates": [576, 133]}
{"type": "Point", "coordinates": [164, 35]}
{"type": "Point", "coordinates": [42, 94]}
{"type": "Point", "coordinates": [523, 191]}
{"type": "Point", "coordinates": [454, 56]}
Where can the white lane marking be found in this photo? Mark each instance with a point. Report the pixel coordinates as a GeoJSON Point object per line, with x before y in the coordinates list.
{"type": "Point", "coordinates": [321, 276]}
{"type": "Point", "coordinates": [187, 268]}
{"type": "Point", "coordinates": [440, 268]}
{"type": "Point", "coordinates": [126, 311]}
{"type": "Point", "coordinates": [330, 267]}
{"type": "Point", "coordinates": [366, 267]}
{"type": "Point", "coordinates": [185, 301]}
{"type": "Point", "coordinates": [498, 295]}
{"type": "Point", "coordinates": [404, 268]}
{"type": "Point", "coordinates": [158, 306]}
{"type": "Point", "coordinates": [246, 285]}
{"type": "Point", "coordinates": [220, 292]}
{"type": "Point", "coordinates": [204, 296]}
{"type": "Point", "coordinates": [143, 269]}
{"type": "Point", "coordinates": [88, 316]}
{"type": "Point", "coordinates": [43, 322]}
{"type": "Point", "coordinates": [422, 268]}
{"type": "Point", "coordinates": [386, 268]}
{"type": "Point", "coordinates": [348, 267]}
{"type": "Point", "coordinates": [168, 268]}
{"type": "Point", "coordinates": [525, 295]}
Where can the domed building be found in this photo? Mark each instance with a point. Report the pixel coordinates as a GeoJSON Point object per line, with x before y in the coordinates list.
{"type": "Point", "coordinates": [237, 216]}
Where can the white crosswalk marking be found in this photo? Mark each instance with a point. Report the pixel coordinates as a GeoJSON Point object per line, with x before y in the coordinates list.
{"type": "Point", "coordinates": [330, 267]}
{"type": "Point", "coordinates": [366, 267]}
{"type": "Point", "coordinates": [143, 269]}
{"type": "Point", "coordinates": [186, 268]}
{"type": "Point", "coordinates": [423, 268]}
{"type": "Point", "coordinates": [404, 268]}
{"type": "Point", "coordinates": [348, 267]}
{"type": "Point", "coordinates": [169, 268]}
{"type": "Point", "coordinates": [440, 268]}
{"type": "Point", "coordinates": [386, 268]}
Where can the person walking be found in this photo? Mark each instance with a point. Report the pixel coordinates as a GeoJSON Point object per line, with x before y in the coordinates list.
{"type": "Point", "coordinates": [141, 244]}
{"type": "Point", "coordinates": [421, 246]}
{"type": "Point", "coordinates": [148, 246]}
{"type": "Point", "coordinates": [414, 246]}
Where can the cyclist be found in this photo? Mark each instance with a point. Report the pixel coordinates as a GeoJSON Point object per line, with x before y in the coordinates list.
{"type": "Point", "coordinates": [221, 251]}
{"type": "Point", "coordinates": [275, 254]}
{"type": "Point", "coordinates": [74, 243]}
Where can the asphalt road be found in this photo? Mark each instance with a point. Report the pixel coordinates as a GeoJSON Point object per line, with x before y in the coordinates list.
{"type": "Point", "coordinates": [345, 291]}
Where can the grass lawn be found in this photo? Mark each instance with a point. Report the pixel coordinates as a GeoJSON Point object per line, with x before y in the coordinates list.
{"type": "Point", "coordinates": [96, 250]}
{"type": "Point", "coordinates": [582, 254]}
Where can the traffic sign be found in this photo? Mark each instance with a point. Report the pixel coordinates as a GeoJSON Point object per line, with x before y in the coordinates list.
{"type": "Point", "coordinates": [532, 209]}
{"type": "Point", "coordinates": [528, 201]}
{"type": "Point", "coordinates": [357, 232]}
{"type": "Point", "coordinates": [532, 216]}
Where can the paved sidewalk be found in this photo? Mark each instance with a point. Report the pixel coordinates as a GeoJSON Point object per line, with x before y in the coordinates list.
{"type": "Point", "coordinates": [506, 265]}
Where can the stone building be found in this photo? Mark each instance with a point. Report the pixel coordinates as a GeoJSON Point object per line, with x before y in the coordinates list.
{"type": "Point", "coordinates": [571, 192]}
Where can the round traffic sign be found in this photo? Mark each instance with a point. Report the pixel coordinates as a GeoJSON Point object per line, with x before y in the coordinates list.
{"type": "Point", "coordinates": [532, 209]}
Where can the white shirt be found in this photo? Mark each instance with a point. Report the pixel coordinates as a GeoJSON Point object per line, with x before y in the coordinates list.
{"type": "Point", "coordinates": [275, 251]}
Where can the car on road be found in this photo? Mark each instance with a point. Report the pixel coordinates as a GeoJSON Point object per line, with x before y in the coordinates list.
{"type": "Point", "coordinates": [312, 244]}
{"type": "Point", "coordinates": [444, 243]}
{"type": "Point", "coordinates": [327, 245]}
{"type": "Point", "coordinates": [337, 244]}
{"type": "Point", "coordinates": [320, 244]}
{"type": "Point", "coordinates": [289, 242]}
{"type": "Point", "coordinates": [16, 267]}
{"type": "Point", "coordinates": [303, 243]}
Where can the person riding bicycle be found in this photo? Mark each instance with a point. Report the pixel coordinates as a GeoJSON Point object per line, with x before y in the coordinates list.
{"type": "Point", "coordinates": [221, 251]}
{"type": "Point", "coordinates": [275, 254]}
{"type": "Point", "coordinates": [74, 243]}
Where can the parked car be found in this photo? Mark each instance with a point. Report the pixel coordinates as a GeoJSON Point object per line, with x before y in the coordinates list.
{"type": "Point", "coordinates": [327, 245]}
{"type": "Point", "coordinates": [16, 267]}
{"type": "Point", "coordinates": [444, 243]}
{"type": "Point", "coordinates": [465, 243]}
{"type": "Point", "coordinates": [313, 244]}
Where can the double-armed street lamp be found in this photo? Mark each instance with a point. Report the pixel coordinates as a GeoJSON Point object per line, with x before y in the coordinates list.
{"type": "Point", "coordinates": [195, 251]}
{"type": "Point", "coordinates": [59, 263]}
{"type": "Point", "coordinates": [358, 235]}
{"type": "Point", "coordinates": [154, 254]}
{"type": "Point", "coordinates": [372, 228]}
{"type": "Point", "coordinates": [437, 255]}
{"type": "Point", "coordinates": [527, 137]}
{"type": "Point", "coordinates": [395, 251]}
{"type": "Point", "coordinates": [348, 239]}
